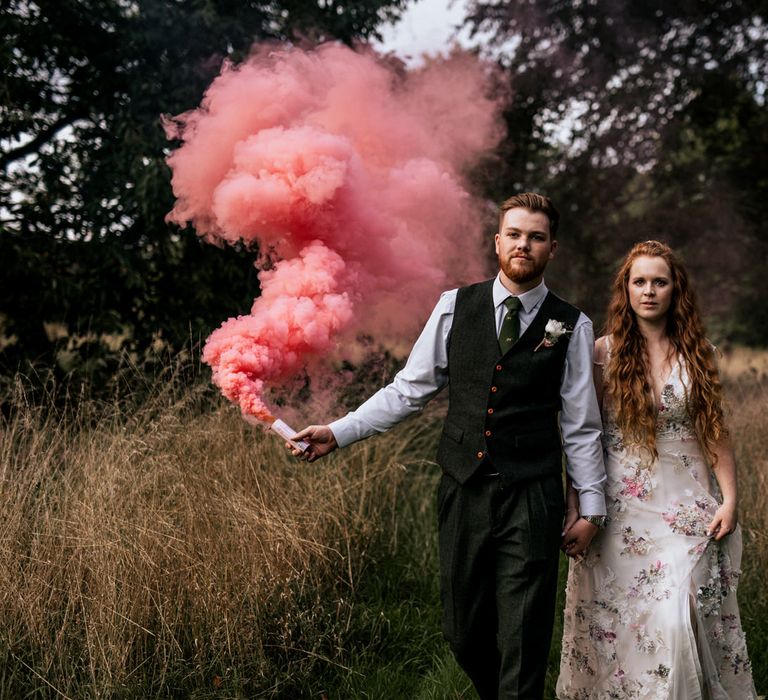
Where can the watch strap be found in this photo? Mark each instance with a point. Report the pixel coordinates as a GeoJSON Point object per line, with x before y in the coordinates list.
{"type": "Point", "coordinates": [596, 520]}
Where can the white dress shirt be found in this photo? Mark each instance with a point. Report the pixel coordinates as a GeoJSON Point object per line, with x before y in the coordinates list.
{"type": "Point", "coordinates": [426, 373]}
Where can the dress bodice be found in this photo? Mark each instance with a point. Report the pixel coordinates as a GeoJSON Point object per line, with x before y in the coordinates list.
{"type": "Point", "coordinates": [672, 418]}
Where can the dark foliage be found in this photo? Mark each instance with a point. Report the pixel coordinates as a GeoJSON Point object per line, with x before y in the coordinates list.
{"type": "Point", "coordinates": [642, 120]}
{"type": "Point", "coordinates": [84, 188]}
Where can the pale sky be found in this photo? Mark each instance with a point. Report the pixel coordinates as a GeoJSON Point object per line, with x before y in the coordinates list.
{"type": "Point", "coordinates": [426, 26]}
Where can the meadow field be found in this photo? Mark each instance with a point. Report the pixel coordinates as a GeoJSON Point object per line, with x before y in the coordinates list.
{"type": "Point", "coordinates": [167, 549]}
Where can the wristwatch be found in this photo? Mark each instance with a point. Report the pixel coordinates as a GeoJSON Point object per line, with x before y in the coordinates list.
{"type": "Point", "coordinates": [597, 520]}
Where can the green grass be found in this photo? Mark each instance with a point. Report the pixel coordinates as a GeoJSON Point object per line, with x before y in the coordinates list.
{"type": "Point", "coordinates": [394, 648]}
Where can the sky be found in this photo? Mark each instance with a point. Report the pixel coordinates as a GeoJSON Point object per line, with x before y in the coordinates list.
{"type": "Point", "coordinates": [426, 26]}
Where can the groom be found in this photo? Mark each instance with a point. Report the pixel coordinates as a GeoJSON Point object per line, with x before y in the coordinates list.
{"type": "Point", "coordinates": [520, 393]}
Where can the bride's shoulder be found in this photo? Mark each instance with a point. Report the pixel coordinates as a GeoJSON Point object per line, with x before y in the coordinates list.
{"type": "Point", "coordinates": [602, 349]}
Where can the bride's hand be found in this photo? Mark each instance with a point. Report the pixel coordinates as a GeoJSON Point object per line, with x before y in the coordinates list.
{"type": "Point", "coordinates": [571, 516]}
{"type": "Point", "coordinates": [576, 538]}
{"type": "Point", "coordinates": [724, 522]}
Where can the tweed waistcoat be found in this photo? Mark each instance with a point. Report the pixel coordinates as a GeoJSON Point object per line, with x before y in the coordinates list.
{"type": "Point", "coordinates": [503, 408]}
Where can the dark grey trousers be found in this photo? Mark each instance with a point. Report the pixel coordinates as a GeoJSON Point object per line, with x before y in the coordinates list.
{"type": "Point", "coordinates": [499, 550]}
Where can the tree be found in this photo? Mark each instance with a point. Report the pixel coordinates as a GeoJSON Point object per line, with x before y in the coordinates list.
{"type": "Point", "coordinates": [84, 186]}
{"type": "Point", "coordinates": [618, 70]}
{"type": "Point", "coordinates": [642, 120]}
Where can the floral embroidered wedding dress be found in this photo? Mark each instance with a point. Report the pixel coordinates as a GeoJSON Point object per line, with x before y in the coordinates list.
{"type": "Point", "coordinates": [651, 608]}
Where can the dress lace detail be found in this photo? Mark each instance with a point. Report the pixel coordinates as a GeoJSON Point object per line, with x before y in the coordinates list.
{"type": "Point", "coordinates": [651, 609]}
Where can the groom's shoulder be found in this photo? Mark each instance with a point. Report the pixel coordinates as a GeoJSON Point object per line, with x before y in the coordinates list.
{"type": "Point", "coordinates": [485, 284]}
{"type": "Point", "coordinates": [557, 301]}
{"type": "Point", "coordinates": [476, 290]}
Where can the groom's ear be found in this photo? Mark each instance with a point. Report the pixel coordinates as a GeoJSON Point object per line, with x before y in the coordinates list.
{"type": "Point", "coordinates": [552, 250]}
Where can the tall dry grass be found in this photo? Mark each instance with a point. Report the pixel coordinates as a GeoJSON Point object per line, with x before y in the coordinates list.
{"type": "Point", "coordinates": [748, 395]}
{"type": "Point", "coordinates": [171, 550]}
{"type": "Point", "coordinates": [167, 551]}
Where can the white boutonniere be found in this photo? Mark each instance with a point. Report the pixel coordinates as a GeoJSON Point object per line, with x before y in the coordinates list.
{"type": "Point", "coordinates": [552, 333]}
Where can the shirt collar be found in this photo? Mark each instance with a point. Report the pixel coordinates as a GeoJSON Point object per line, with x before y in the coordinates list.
{"type": "Point", "coordinates": [529, 300]}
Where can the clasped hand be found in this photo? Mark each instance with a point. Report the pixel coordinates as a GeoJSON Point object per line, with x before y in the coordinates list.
{"type": "Point", "coordinates": [577, 533]}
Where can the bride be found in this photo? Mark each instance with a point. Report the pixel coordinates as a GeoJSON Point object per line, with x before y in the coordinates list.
{"type": "Point", "coordinates": [651, 607]}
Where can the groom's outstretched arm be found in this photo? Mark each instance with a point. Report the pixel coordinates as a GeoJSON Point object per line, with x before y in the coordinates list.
{"type": "Point", "coordinates": [424, 375]}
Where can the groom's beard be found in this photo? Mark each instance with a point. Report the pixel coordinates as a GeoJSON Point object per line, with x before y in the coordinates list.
{"type": "Point", "coordinates": [522, 271]}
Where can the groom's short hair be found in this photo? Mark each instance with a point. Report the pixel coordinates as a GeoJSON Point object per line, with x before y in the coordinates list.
{"type": "Point", "coordinates": [532, 202]}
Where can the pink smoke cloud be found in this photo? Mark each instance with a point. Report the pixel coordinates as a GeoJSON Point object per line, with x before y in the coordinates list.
{"type": "Point", "coordinates": [347, 174]}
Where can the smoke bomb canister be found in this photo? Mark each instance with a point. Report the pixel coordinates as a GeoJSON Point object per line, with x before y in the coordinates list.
{"type": "Point", "coordinates": [286, 432]}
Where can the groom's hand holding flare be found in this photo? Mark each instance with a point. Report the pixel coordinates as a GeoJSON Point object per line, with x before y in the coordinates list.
{"type": "Point", "coordinates": [321, 442]}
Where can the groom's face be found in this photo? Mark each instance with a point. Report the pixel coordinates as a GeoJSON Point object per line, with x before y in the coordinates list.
{"type": "Point", "coordinates": [524, 246]}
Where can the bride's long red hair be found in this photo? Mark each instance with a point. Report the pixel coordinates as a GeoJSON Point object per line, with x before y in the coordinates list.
{"type": "Point", "coordinates": [627, 370]}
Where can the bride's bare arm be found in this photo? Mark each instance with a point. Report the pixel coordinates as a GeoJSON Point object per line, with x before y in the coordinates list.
{"type": "Point", "coordinates": [600, 358]}
{"type": "Point", "coordinates": [725, 519]}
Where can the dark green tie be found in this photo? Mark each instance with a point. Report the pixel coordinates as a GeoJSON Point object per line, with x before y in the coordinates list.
{"type": "Point", "coordinates": [510, 326]}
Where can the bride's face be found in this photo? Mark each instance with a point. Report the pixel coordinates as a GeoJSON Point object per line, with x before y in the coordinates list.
{"type": "Point", "coordinates": [650, 288]}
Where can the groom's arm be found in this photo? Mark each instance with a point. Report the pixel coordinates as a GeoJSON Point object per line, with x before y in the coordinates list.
{"type": "Point", "coordinates": [581, 428]}
{"type": "Point", "coordinates": [580, 422]}
{"type": "Point", "coordinates": [424, 375]}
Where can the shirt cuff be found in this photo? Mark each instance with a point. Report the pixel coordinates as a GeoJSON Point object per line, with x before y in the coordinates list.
{"type": "Point", "coordinates": [344, 431]}
{"type": "Point", "coordinates": [591, 504]}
